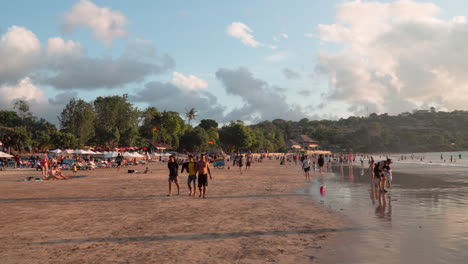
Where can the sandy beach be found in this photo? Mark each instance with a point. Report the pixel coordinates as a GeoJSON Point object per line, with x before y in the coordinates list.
{"type": "Point", "coordinates": [110, 216]}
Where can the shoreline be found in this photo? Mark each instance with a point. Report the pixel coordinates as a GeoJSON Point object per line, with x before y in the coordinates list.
{"type": "Point", "coordinates": [112, 216]}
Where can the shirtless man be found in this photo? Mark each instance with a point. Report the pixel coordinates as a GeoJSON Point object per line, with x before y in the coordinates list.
{"type": "Point", "coordinates": [203, 171]}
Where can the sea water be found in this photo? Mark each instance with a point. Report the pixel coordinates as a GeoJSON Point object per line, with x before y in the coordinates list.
{"type": "Point", "coordinates": [422, 219]}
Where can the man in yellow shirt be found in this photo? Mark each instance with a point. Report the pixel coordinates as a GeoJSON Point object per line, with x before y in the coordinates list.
{"type": "Point", "coordinates": [190, 167]}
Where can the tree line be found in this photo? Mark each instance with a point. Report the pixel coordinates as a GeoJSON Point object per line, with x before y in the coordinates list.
{"type": "Point", "coordinates": [113, 121]}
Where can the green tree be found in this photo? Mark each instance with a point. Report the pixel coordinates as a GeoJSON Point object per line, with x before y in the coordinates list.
{"type": "Point", "coordinates": [116, 121]}
{"type": "Point", "coordinates": [78, 118]}
{"type": "Point", "coordinates": [208, 123]}
{"type": "Point", "coordinates": [195, 140]}
{"type": "Point", "coordinates": [236, 137]}
{"type": "Point", "coordinates": [23, 108]}
{"type": "Point", "coordinates": [190, 115]}
{"type": "Point", "coordinates": [17, 137]}
{"type": "Point", "coordinates": [61, 139]}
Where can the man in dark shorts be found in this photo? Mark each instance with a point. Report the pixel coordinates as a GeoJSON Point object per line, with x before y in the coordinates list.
{"type": "Point", "coordinates": [240, 163]}
{"type": "Point", "coordinates": [203, 170]}
{"type": "Point", "coordinates": [173, 174]}
{"type": "Point", "coordinates": [248, 162]}
{"type": "Point", "coordinates": [118, 160]}
{"type": "Point", "coordinates": [321, 163]}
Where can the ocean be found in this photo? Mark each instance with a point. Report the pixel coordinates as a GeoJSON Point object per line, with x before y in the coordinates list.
{"type": "Point", "coordinates": [422, 219]}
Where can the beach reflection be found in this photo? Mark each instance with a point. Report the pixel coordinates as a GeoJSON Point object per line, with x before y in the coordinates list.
{"type": "Point", "coordinates": [428, 224]}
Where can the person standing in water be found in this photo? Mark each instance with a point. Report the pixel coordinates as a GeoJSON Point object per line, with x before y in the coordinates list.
{"type": "Point", "coordinates": [203, 170]}
{"type": "Point", "coordinates": [306, 167]}
{"type": "Point", "coordinates": [321, 163]}
{"type": "Point", "coordinates": [173, 174]}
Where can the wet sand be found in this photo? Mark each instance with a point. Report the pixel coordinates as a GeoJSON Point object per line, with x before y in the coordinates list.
{"type": "Point", "coordinates": [111, 216]}
{"type": "Point", "coordinates": [422, 219]}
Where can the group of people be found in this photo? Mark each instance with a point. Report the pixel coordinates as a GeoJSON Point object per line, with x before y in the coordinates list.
{"type": "Point", "coordinates": [194, 168]}
{"type": "Point", "coordinates": [381, 174]}
{"type": "Point", "coordinates": [238, 160]}
{"type": "Point", "coordinates": [306, 164]}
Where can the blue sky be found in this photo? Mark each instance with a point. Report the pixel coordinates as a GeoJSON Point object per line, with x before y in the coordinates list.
{"type": "Point", "coordinates": [250, 60]}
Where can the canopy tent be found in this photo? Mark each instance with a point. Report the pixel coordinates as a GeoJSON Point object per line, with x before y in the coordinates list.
{"type": "Point", "coordinates": [128, 155]}
{"type": "Point", "coordinates": [5, 155]}
{"type": "Point", "coordinates": [68, 151]}
{"type": "Point", "coordinates": [112, 154]}
{"type": "Point", "coordinates": [83, 152]}
{"type": "Point", "coordinates": [137, 155]}
{"type": "Point", "coordinates": [56, 151]}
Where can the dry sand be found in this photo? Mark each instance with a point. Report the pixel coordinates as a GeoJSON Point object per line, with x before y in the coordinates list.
{"type": "Point", "coordinates": [111, 216]}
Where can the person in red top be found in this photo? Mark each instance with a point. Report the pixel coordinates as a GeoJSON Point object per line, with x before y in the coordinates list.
{"type": "Point", "coordinates": [45, 165]}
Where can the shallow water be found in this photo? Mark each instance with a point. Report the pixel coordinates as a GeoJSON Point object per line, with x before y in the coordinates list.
{"type": "Point", "coordinates": [420, 220]}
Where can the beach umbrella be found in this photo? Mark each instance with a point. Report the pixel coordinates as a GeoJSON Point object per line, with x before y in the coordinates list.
{"type": "Point", "coordinates": [56, 151]}
{"type": "Point", "coordinates": [5, 155]}
{"type": "Point", "coordinates": [68, 151]}
{"type": "Point", "coordinates": [128, 155]}
{"type": "Point", "coordinates": [137, 155]}
{"type": "Point", "coordinates": [112, 154]}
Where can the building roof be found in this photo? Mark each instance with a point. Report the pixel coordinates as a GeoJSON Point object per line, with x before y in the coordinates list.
{"type": "Point", "coordinates": [305, 139]}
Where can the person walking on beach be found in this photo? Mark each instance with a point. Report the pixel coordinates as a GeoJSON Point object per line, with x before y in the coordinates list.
{"type": "Point", "coordinates": [191, 168]}
{"type": "Point", "coordinates": [240, 163]}
{"type": "Point", "coordinates": [118, 160]}
{"type": "Point", "coordinates": [203, 170]}
{"type": "Point", "coordinates": [173, 174]}
{"type": "Point", "coordinates": [248, 162]}
{"type": "Point", "coordinates": [321, 163]}
{"type": "Point", "coordinates": [306, 167]}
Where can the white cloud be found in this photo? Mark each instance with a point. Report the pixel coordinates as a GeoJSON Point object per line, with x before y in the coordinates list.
{"type": "Point", "coordinates": [284, 35]}
{"type": "Point", "coordinates": [190, 82]}
{"type": "Point", "coordinates": [59, 47]}
{"type": "Point", "coordinates": [19, 54]}
{"type": "Point", "coordinates": [24, 90]}
{"type": "Point", "coordinates": [243, 32]}
{"type": "Point", "coordinates": [396, 56]}
{"type": "Point", "coordinates": [106, 24]}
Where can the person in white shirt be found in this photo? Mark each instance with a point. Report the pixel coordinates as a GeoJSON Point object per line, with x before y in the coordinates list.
{"type": "Point", "coordinates": [306, 167]}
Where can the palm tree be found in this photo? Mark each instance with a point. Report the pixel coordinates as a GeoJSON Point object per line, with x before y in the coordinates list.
{"type": "Point", "coordinates": [190, 114]}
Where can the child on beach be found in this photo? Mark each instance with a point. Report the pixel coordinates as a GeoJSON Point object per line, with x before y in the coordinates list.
{"type": "Point", "coordinates": [75, 169]}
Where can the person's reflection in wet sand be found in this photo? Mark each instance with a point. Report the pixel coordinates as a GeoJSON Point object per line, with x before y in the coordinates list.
{"type": "Point", "coordinates": [341, 171]}
{"type": "Point", "coordinates": [351, 174]}
{"type": "Point", "coordinates": [389, 211]}
{"type": "Point", "coordinates": [373, 193]}
{"type": "Point", "coordinates": [381, 210]}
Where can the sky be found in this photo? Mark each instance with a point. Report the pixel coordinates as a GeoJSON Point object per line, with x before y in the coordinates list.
{"type": "Point", "coordinates": [237, 60]}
